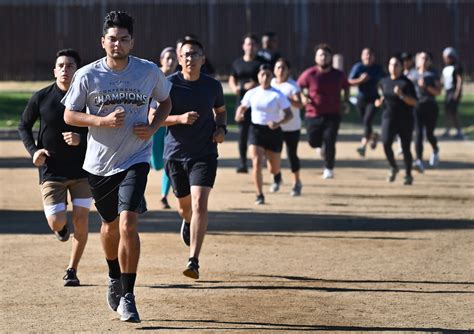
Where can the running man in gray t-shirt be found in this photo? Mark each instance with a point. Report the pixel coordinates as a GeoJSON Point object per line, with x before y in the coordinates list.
{"type": "Point", "coordinates": [116, 92]}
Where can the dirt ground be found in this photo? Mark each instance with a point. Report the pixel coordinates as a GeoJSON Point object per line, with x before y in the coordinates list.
{"type": "Point", "coordinates": [351, 254]}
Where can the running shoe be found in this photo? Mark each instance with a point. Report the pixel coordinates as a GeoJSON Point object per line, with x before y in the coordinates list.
{"type": "Point", "coordinates": [164, 203]}
{"type": "Point", "coordinates": [418, 165]}
{"type": "Point", "coordinates": [408, 181]}
{"type": "Point", "coordinates": [186, 232]}
{"type": "Point", "coordinates": [64, 234]}
{"type": "Point", "coordinates": [192, 269]}
{"type": "Point", "coordinates": [328, 174]}
{"type": "Point", "coordinates": [361, 151]}
{"type": "Point", "coordinates": [127, 309]}
{"type": "Point", "coordinates": [392, 175]}
{"type": "Point", "coordinates": [374, 140]}
{"type": "Point", "coordinates": [242, 170]}
{"type": "Point", "coordinates": [114, 292]}
{"type": "Point", "coordinates": [296, 190]}
{"type": "Point", "coordinates": [70, 278]}
{"type": "Point", "coordinates": [260, 199]}
{"type": "Point", "coordinates": [275, 187]}
{"type": "Point", "coordinates": [434, 159]}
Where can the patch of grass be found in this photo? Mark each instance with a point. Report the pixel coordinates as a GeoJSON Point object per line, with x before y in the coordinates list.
{"type": "Point", "coordinates": [12, 105]}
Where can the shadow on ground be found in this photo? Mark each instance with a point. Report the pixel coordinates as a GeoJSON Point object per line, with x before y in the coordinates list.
{"type": "Point", "coordinates": [21, 162]}
{"type": "Point", "coordinates": [200, 325]}
{"type": "Point", "coordinates": [33, 222]}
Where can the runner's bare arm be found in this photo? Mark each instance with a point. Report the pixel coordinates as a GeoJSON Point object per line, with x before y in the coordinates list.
{"type": "Point", "coordinates": [81, 119]}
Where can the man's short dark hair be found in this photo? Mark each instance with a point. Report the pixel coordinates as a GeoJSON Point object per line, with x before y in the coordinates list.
{"type": "Point", "coordinates": [192, 42]}
{"type": "Point", "coordinates": [252, 36]}
{"type": "Point", "coordinates": [324, 47]}
{"type": "Point", "coordinates": [70, 53]}
{"type": "Point", "coordinates": [118, 19]}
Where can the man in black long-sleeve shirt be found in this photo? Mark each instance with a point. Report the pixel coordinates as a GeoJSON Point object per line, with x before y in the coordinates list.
{"type": "Point", "coordinates": [59, 154]}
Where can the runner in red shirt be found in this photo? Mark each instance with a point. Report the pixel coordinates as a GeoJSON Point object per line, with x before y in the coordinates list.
{"type": "Point", "coordinates": [321, 87]}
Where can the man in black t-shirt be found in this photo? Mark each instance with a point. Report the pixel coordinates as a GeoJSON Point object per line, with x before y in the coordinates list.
{"type": "Point", "coordinates": [196, 124]}
{"type": "Point", "coordinates": [59, 154]}
{"type": "Point", "coordinates": [243, 77]}
{"type": "Point", "coordinates": [268, 53]}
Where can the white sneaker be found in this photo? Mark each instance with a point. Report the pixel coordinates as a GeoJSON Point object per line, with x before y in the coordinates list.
{"type": "Point", "coordinates": [418, 165]}
{"type": "Point", "coordinates": [328, 174]}
{"type": "Point", "coordinates": [434, 159]}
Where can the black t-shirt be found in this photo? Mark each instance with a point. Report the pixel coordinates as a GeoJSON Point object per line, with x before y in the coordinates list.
{"type": "Point", "coordinates": [269, 57]}
{"type": "Point", "coordinates": [245, 71]}
{"type": "Point", "coordinates": [66, 161]}
{"type": "Point", "coordinates": [188, 142]}
{"type": "Point", "coordinates": [394, 106]}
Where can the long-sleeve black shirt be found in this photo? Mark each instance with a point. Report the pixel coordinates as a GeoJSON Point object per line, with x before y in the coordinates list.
{"type": "Point", "coordinates": [66, 161]}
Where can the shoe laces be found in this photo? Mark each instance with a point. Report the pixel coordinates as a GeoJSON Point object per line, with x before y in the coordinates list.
{"type": "Point", "coordinates": [115, 286]}
{"type": "Point", "coordinates": [70, 274]}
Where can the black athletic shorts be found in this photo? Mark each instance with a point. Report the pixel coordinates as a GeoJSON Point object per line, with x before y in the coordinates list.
{"type": "Point", "coordinates": [263, 136]}
{"type": "Point", "coordinates": [184, 174]}
{"type": "Point", "coordinates": [119, 192]}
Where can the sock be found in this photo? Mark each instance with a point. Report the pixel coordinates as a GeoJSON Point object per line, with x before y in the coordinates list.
{"type": "Point", "coordinates": [128, 282]}
{"type": "Point", "coordinates": [277, 178]}
{"type": "Point", "coordinates": [63, 232]}
{"type": "Point", "coordinates": [114, 268]}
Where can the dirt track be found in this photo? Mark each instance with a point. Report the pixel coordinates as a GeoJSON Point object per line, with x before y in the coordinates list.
{"type": "Point", "coordinates": [352, 254]}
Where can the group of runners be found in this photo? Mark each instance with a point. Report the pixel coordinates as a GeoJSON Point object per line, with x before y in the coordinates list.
{"type": "Point", "coordinates": [102, 126]}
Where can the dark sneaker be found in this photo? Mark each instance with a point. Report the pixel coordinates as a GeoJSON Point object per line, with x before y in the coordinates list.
{"type": "Point", "coordinates": [392, 175]}
{"type": "Point", "coordinates": [296, 190]}
{"type": "Point", "coordinates": [374, 140]}
{"type": "Point", "coordinates": [192, 269]}
{"type": "Point", "coordinates": [164, 203]}
{"type": "Point", "coordinates": [260, 199]}
{"type": "Point", "coordinates": [242, 170]}
{"type": "Point", "coordinates": [64, 234]}
{"type": "Point", "coordinates": [408, 181]}
{"type": "Point", "coordinates": [114, 292]}
{"type": "Point", "coordinates": [185, 233]}
{"type": "Point", "coordinates": [361, 151]}
{"type": "Point", "coordinates": [70, 279]}
{"type": "Point", "coordinates": [127, 309]}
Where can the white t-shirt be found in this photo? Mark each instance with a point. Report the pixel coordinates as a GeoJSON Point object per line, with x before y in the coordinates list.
{"type": "Point", "coordinates": [266, 104]}
{"type": "Point", "coordinates": [290, 88]}
{"type": "Point", "coordinates": [101, 90]}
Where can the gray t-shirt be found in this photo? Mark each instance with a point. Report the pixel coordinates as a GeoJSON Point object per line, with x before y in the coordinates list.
{"type": "Point", "coordinates": [101, 90]}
